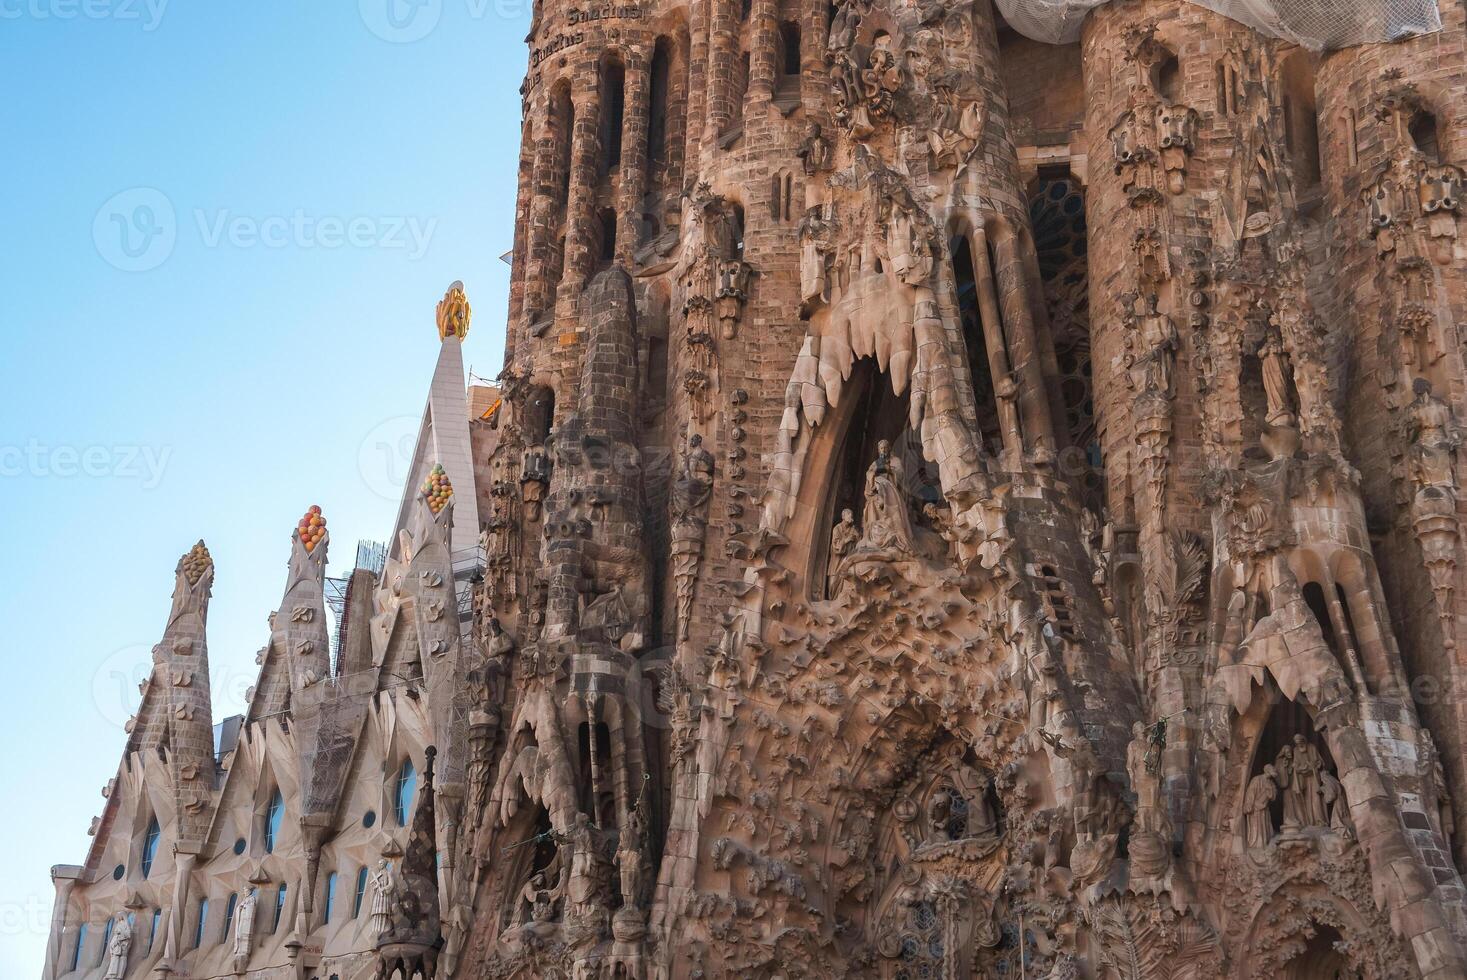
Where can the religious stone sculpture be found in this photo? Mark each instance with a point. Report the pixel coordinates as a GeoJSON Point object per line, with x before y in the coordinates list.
{"type": "Point", "coordinates": [117, 948]}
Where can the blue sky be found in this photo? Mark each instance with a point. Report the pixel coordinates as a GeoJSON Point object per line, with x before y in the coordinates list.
{"type": "Point", "coordinates": [225, 228]}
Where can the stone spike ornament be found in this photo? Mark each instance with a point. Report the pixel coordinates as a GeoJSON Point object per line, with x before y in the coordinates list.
{"type": "Point", "coordinates": [900, 555]}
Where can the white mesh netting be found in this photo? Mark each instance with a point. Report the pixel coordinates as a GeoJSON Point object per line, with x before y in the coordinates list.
{"type": "Point", "coordinates": [1315, 24]}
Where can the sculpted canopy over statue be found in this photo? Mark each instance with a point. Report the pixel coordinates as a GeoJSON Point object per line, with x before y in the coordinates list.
{"type": "Point", "coordinates": [887, 520]}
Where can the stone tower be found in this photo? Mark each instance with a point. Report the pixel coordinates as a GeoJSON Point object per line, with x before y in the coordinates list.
{"type": "Point", "coordinates": [974, 492]}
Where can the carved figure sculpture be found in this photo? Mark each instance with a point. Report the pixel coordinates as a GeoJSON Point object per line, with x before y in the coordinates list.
{"type": "Point", "coordinates": [690, 495]}
{"type": "Point", "coordinates": [244, 929]}
{"type": "Point", "coordinates": [886, 520]}
{"type": "Point", "coordinates": [384, 881]}
{"type": "Point", "coordinates": [1435, 437]}
{"type": "Point", "coordinates": [118, 948]}
{"type": "Point", "coordinates": [1308, 765]}
{"type": "Point", "coordinates": [814, 150]}
{"type": "Point", "coordinates": [843, 539]}
{"type": "Point", "coordinates": [1262, 790]}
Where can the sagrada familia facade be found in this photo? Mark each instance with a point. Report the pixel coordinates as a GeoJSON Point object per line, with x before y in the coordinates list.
{"type": "Point", "coordinates": [956, 505]}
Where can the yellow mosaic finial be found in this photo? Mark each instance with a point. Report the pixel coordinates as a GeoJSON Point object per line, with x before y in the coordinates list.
{"type": "Point", "coordinates": [195, 563]}
{"type": "Point", "coordinates": [454, 313]}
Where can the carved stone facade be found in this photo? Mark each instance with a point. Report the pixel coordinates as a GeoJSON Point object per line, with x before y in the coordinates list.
{"type": "Point", "coordinates": [878, 574]}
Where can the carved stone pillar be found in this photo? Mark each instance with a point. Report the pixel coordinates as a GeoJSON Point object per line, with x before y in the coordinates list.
{"type": "Point", "coordinates": [763, 48]}
{"type": "Point", "coordinates": [633, 182]}
{"type": "Point", "coordinates": [538, 289]}
{"type": "Point", "coordinates": [582, 232]}
{"type": "Point", "coordinates": [999, 370]}
{"type": "Point", "coordinates": [1018, 320]}
{"type": "Point", "coordinates": [724, 55]}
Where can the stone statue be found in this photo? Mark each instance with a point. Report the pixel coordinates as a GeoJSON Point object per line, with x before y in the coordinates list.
{"type": "Point", "coordinates": [814, 150]}
{"type": "Point", "coordinates": [244, 928]}
{"type": "Point", "coordinates": [1308, 764]}
{"type": "Point", "coordinates": [629, 859]}
{"type": "Point", "coordinates": [539, 898]}
{"type": "Point", "coordinates": [973, 785]}
{"type": "Point", "coordinates": [694, 485]}
{"type": "Point", "coordinates": [1145, 781]}
{"type": "Point", "coordinates": [940, 813]}
{"type": "Point", "coordinates": [843, 539]}
{"type": "Point", "coordinates": [1293, 801]}
{"type": "Point", "coordinates": [1435, 437]}
{"type": "Point", "coordinates": [384, 879]}
{"type": "Point", "coordinates": [1257, 821]}
{"type": "Point", "coordinates": [957, 127]}
{"type": "Point", "coordinates": [1152, 348]}
{"type": "Point", "coordinates": [1275, 382]}
{"type": "Point", "coordinates": [118, 948]}
{"type": "Point", "coordinates": [886, 520]}
{"type": "Point", "coordinates": [1337, 805]}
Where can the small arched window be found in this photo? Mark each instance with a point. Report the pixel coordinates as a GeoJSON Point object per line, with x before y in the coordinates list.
{"type": "Point", "coordinates": [789, 46]}
{"type": "Point", "coordinates": [356, 902]}
{"type": "Point", "coordinates": [106, 938]}
{"type": "Point", "coordinates": [229, 908]}
{"type": "Point", "coordinates": [153, 928]}
{"type": "Point", "coordinates": [329, 899]}
{"type": "Point", "coordinates": [279, 907]}
{"type": "Point", "coordinates": [407, 787]}
{"type": "Point", "coordinates": [274, 813]}
{"type": "Point", "coordinates": [203, 918]}
{"type": "Point", "coordinates": [150, 845]}
{"type": "Point", "coordinates": [81, 944]}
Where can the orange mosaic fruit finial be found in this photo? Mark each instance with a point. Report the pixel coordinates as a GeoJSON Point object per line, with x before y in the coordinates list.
{"type": "Point", "coordinates": [312, 528]}
{"type": "Point", "coordinates": [437, 489]}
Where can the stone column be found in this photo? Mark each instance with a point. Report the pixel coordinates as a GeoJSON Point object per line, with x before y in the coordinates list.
{"type": "Point", "coordinates": [1018, 320]}
{"type": "Point", "coordinates": [697, 81]}
{"type": "Point", "coordinates": [538, 292]}
{"type": "Point", "coordinates": [64, 877]}
{"type": "Point", "coordinates": [763, 48]}
{"type": "Point", "coordinates": [723, 41]}
{"type": "Point", "coordinates": [582, 231]}
{"type": "Point", "coordinates": [632, 186]}
{"type": "Point", "coordinates": [524, 201]}
{"type": "Point", "coordinates": [999, 369]}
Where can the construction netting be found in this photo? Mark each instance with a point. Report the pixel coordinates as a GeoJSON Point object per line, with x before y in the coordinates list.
{"type": "Point", "coordinates": [1314, 24]}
